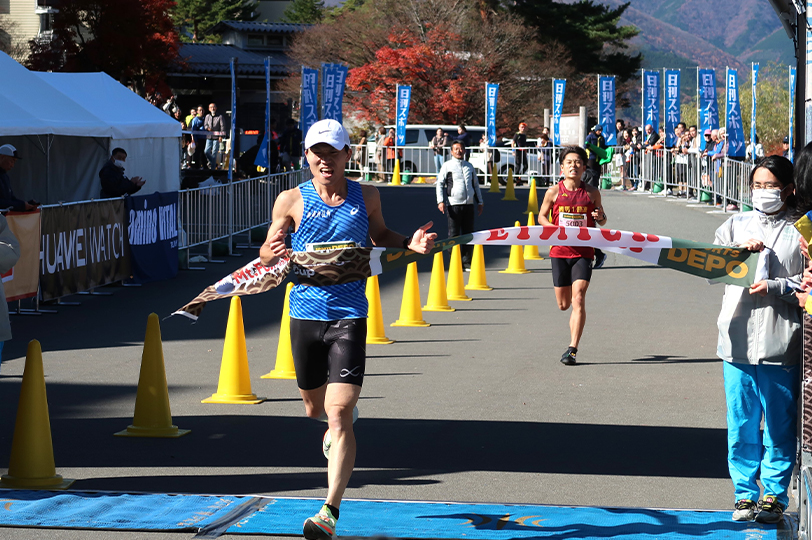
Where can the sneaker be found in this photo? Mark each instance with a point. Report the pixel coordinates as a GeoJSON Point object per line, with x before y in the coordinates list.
{"type": "Point", "coordinates": [326, 443]}
{"type": "Point", "coordinates": [600, 259]}
{"type": "Point", "coordinates": [732, 208]}
{"type": "Point", "coordinates": [745, 510]}
{"type": "Point", "coordinates": [769, 510]}
{"type": "Point", "coordinates": [568, 359]}
{"type": "Point", "coordinates": [322, 526]}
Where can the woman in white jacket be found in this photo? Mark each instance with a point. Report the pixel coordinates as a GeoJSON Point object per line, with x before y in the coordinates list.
{"type": "Point", "coordinates": [760, 342]}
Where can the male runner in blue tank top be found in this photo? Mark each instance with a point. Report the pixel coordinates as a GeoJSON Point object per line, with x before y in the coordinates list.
{"type": "Point", "coordinates": [328, 324]}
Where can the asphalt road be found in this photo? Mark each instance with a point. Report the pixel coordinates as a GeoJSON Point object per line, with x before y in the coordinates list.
{"type": "Point", "coordinates": [476, 407]}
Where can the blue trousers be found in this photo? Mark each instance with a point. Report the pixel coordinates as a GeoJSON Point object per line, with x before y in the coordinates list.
{"type": "Point", "coordinates": [753, 391]}
{"type": "Point", "coordinates": [439, 159]}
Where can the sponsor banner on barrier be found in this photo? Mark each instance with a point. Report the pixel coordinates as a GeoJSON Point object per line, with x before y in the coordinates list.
{"type": "Point", "coordinates": [404, 99]}
{"type": "Point", "coordinates": [606, 108]}
{"type": "Point", "coordinates": [651, 99]}
{"type": "Point", "coordinates": [559, 89]}
{"type": "Point", "coordinates": [152, 231]}
{"type": "Point", "coordinates": [708, 107]}
{"type": "Point", "coordinates": [672, 110]}
{"type": "Point", "coordinates": [22, 280]}
{"type": "Point", "coordinates": [82, 246]}
{"type": "Point", "coordinates": [491, 97]}
{"type": "Point", "coordinates": [733, 112]}
{"type": "Point", "coordinates": [725, 265]}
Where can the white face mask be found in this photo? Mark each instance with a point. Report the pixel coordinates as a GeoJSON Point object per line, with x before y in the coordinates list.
{"type": "Point", "coordinates": [118, 163]}
{"type": "Point", "coordinates": [767, 200]}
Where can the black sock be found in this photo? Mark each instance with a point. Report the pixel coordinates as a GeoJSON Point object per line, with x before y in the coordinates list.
{"type": "Point", "coordinates": [333, 510]}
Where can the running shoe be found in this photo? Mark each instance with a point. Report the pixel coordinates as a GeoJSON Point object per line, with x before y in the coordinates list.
{"type": "Point", "coordinates": [770, 510]}
{"type": "Point", "coordinates": [600, 259]}
{"type": "Point", "coordinates": [745, 510]}
{"type": "Point", "coordinates": [568, 359]}
{"type": "Point", "coordinates": [322, 526]}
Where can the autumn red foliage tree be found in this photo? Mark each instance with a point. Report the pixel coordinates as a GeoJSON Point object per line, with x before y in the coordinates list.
{"type": "Point", "coordinates": [132, 41]}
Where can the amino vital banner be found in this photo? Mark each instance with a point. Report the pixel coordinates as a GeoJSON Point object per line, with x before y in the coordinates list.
{"type": "Point", "coordinates": [706, 99]}
{"type": "Point", "coordinates": [402, 113]}
{"type": "Point", "coordinates": [491, 97]}
{"type": "Point", "coordinates": [152, 230]}
{"type": "Point", "coordinates": [733, 115]}
{"type": "Point", "coordinates": [309, 115]}
{"type": "Point", "coordinates": [754, 83]}
{"type": "Point", "coordinates": [733, 266]}
{"type": "Point", "coordinates": [22, 280]}
{"type": "Point", "coordinates": [606, 108]}
{"type": "Point", "coordinates": [83, 246]}
{"type": "Point", "coordinates": [559, 88]}
{"type": "Point", "coordinates": [792, 77]}
{"type": "Point", "coordinates": [672, 112]}
{"type": "Point", "coordinates": [333, 78]}
{"type": "Point", "coordinates": [651, 99]}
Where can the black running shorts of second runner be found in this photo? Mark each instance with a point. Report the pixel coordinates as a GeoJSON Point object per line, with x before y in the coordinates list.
{"type": "Point", "coordinates": [568, 271]}
{"type": "Point", "coordinates": [328, 351]}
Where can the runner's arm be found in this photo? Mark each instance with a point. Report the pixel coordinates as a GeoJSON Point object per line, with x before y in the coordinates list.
{"type": "Point", "coordinates": [420, 241]}
{"type": "Point", "coordinates": [546, 206]}
{"type": "Point", "coordinates": [282, 218]}
{"type": "Point", "coordinates": [598, 213]}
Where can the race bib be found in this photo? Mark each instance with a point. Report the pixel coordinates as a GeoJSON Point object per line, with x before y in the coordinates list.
{"type": "Point", "coordinates": [328, 246]}
{"type": "Point", "coordinates": [567, 219]}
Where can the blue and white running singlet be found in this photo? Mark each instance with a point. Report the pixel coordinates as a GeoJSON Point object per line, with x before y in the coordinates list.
{"type": "Point", "coordinates": [323, 226]}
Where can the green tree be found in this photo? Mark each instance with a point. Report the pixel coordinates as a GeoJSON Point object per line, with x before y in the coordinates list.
{"type": "Point", "coordinates": [196, 17]}
{"type": "Point", "coordinates": [591, 32]}
{"type": "Point", "coordinates": [305, 11]}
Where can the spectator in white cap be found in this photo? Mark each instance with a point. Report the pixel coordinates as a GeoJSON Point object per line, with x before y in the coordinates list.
{"type": "Point", "coordinates": [8, 158]}
{"type": "Point", "coordinates": [328, 325]}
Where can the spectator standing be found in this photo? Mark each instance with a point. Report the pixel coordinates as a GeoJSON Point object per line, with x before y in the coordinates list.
{"type": "Point", "coordinates": [391, 154]}
{"type": "Point", "coordinates": [465, 138]}
{"type": "Point", "coordinates": [380, 156]}
{"type": "Point", "coordinates": [652, 137]}
{"type": "Point", "coordinates": [519, 145]}
{"type": "Point", "coordinates": [114, 183]}
{"type": "Point", "coordinates": [9, 255]}
{"type": "Point", "coordinates": [437, 144]}
{"type": "Point", "coordinates": [8, 158]}
{"type": "Point", "coordinates": [785, 147]}
{"type": "Point", "coordinates": [545, 153]}
{"type": "Point", "coordinates": [457, 190]}
{"type": "Point", "coordinates": [754, 150]}
{"type": "Point", "coordinates": [199, 140]}
{"type": "Point", "coordinates": [593, 170]}
{"type": "Point", "coordinates": [620, 127]}
{"type": "Point", "coordinates": [360, 154]}
{"type": "Point", "coordinates": [216, 127]}
{"type": "Point", "coordinates": [291, 145]}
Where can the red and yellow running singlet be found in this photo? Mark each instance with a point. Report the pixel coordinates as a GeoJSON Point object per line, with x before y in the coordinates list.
{"type": "Point", "coordinates": [572, 209]}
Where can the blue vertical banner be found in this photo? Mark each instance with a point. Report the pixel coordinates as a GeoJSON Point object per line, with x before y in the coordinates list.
{"type": "Point", "coordinates": [491, 97]}
{"type": "Point", "coordinates": [733, 115]}
{"type": "Point", "coordinates": [606, 108]}
{"type": "Point", "coordinates": [792, 77]}
{"type": "Point", "coordinates": [706, 100]}
{"type": "Point", "coordinates": [402, 114]}
{"type": "Point", "coordinates": [333, 78]}
{"type": "Point", "coordinates": [651, 99]}
{"type": "Point", "coordinates": [672, 111]}
{"type": "Point", "coordinates": [559, 89]}
{"type": "Point", "coordinates": [309, 113]}
{"type": "Point", "coordinates": [753, 85]}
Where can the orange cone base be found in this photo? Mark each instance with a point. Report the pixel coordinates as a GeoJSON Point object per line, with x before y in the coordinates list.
{"type": "Point", "coordinates": [533, 257]}
{"type": "Point", "coordinates": [379, 341]}
{"type": "Point", "coordinates": [53, 482]}
{"type": "Point", "coordinates": [171, 432]}
{"type": "Point", "coordinates": [237, 399]}
{"type": "Point", "coordinates": [438, 308]}
{"type": "Point", "coordinates": [514, 271]}
{"type": "Point", "coordinates": [477, 288]}
{"type": "Point", "coordinates": [462, 298]}
{"type": "Point", "coordinates": [277, 374]}
{"type": "Point", "coordinates": [421, 324]}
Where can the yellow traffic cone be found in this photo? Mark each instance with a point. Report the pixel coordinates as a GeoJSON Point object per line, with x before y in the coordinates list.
{"type": "Point", "coordinates": [456, 285]}
{"type": "Point", "coordinates": [410, 312]}
{"type": "Point", "coordinates": [533, 199]}
{"type": "Point", "coordinates": [375, 328]}
{"type": "Point", "coordinates": [235, 381]}
{"type": "Point", "coordinates": [494, 180]}
{"type": "Point", "coordinates": [531, 253]}
{"type": "Point", "coordinates": [152, 416]}
{"type": "Point", "coordinates": [516, 262]}
{"type": "Point", "coordinates": [31, 465]}
{"type": "Point", "coordinates": [438, 301]}
{"type": "Point", "coordinates": [396, 174]}
{"type": "Point", "coordinates": [477, 280]}
{"type": "Point", "coordinates": [284, 368]}
{"type": "Point", "coordinates": [510, 194]}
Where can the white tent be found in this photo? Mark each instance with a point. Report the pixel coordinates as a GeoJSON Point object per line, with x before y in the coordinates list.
{"type": "Point", "coordinates": [65, 124]}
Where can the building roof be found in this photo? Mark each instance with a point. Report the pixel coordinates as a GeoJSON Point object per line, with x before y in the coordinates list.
{"type": "Point", "coordinates": [258, 27]}
{"type": "Point", "coordinates": [209, 59]}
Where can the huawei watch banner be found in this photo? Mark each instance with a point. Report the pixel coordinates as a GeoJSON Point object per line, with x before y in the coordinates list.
{"type": "Point", "coordinates": [333, 77]}
{"type": "Point", "coordinates": [402, 113]}
{"type": "Point", "coordinates": [726, 265]}
{"type": "Point", "coordinates": [606, 108]}
{"type": "Point", "coordinates": [83, 246]}
{"type": "Point", "coordinates": [491, 97]}
{"type": "Point", "coordinates": [153, 236]}
{"type": "Point", "coordinates": [651, 99]}
{"type": "Point", "coordinates": [733, 113]}
{"type": "Point", "coordinates": [672, 112]}
{"type": "Point", "coordinates": [708, 107]}
{"type": "Point", "coordinates": [309, 113]}
{"type": "Point", "coordinates": [23, 279]}
{"type": "Point", "coordinates": [754, 83]}
{"type": "Point", "coordinates": [559, 88]}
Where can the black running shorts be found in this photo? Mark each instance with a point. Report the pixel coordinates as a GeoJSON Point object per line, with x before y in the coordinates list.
{"type": "Point", "coordinates": [568, 271]}
{"type": "Point", "coordinates": [328, 351]}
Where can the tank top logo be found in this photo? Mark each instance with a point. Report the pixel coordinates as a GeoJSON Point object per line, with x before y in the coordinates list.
{"type": "Point", "coordinates": [315, 214]}
{"type": "Point", "coordinates": [354, 210]}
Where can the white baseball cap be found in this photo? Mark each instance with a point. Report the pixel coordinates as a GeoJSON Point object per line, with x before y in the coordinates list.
{"type": "Point", "coordinates": [8, 150]}
{"type": "Point", "coordinates": [327, 131]}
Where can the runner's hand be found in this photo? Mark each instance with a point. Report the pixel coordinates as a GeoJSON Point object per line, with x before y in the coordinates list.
{"type": "Point", "coordinates": [422, 241]}
{"type": "Point", "coordinates": [759, 287]}
{"type": "Point", "coordinates": [277, 244]}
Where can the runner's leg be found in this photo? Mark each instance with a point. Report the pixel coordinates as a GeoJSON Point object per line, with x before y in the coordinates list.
{"type": "Point", "coordinates": [339, 401]}
{"type": "Point", "coordinates": [578, 315]}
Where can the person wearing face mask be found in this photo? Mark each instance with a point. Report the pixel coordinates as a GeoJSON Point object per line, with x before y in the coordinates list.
{"type": "Point", "coordinates": [760, 341]}
{"type": "Point", "coordinates": [114, 183]}
{"type": "Point", "coordinates": [8, 158]}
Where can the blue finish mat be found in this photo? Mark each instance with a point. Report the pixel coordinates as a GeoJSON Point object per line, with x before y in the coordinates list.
{"type": "Point", "coordinates": [152, 512]}
{"type": "Point", "coordinates": [495, 522]}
